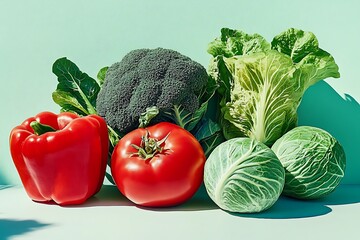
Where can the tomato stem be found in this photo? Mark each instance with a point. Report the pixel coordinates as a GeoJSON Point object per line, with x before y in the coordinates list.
{"type": "Point", "coordinates": [149, 147]}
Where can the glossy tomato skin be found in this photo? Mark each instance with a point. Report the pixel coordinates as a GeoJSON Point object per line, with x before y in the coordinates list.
{"type": "Point", "coordinates": [169, 178]}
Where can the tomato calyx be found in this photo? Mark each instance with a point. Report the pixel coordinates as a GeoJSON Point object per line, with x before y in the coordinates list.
{"type": "Point", "coordinates": [149, 147]}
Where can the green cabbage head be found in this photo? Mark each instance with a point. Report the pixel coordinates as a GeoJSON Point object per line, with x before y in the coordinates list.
{"type": "Point", "coordinates": [314, 162]}
{"type": "Point", "coordinates": [243, 175]}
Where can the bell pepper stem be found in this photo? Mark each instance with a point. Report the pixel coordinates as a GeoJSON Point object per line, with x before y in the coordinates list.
{"type": "Point", "coordinates": [40, 128]}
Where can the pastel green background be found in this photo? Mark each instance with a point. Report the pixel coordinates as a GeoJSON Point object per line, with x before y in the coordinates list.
{"type": "Point", "coordinates": [93, 34]}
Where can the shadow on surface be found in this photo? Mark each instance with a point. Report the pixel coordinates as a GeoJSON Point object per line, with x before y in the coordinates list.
{"type": "Point", "coordinates": [199, 202]}
{"type": "Point", "coordinates": [344, 194]}
{"type": "Point", "coordinates": [323, 107]}
{"type": "Point", "coordinates": [286, 208]}
{"type": "Point", "coordinates": [12, 227]}
{"type": "Point", "coordinates": [4, 186]}
{"type": "Point", "coordinates": [109, 195]}
{"type": "Point", "coordinates": [2, 179]}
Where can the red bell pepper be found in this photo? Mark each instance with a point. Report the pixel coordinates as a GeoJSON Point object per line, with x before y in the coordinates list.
{"type": "Point", "coordinates": [60, 158]}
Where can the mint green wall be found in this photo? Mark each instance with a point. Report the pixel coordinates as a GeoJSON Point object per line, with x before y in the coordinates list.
{"type": "Point", "coordinates": [93, 34]}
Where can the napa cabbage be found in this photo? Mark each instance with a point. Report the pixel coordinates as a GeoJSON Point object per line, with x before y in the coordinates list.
{"type": "Point", "coordinates": [261, 84]}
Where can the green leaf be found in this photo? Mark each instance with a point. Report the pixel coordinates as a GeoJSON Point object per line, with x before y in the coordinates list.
{"type": "Point", "coordinates": [114, 137]}
{"type": "Point", "coordinates": [229, 129]}
{"type": "Point", "coordinates": [210, 143]}
{"type": "Point", "coordinates": [68, 102]}
{"type": "Point", "coordinates": [101, 75]}
{"type": "Point", "coordinates": [295, 43]}
{"type": "Point", "coordinates": [207, 129]}
{"type": "Point", "coordinates": [182, 117]}
{"type": "Point", "coordinates": [303, 48]}
{"type": "Point", "coordinates": [318, 66]}
{"type": "Point", "coordinates": [77, 85]}
{"type": "Point", "coordinates": [147, 116]}
{"type": "Point", "coordinates": [221, 74]}
{"type": "Point", "coordinates": [234, 42]}
{"type": "Point", "coordinates": [185, 118]}
{"type": "Point", "coordinates": [197, 116]}
{"type": "Point", "coordinates": [266, 93]}
{"type": "Point", "coordinates": [109, 177]}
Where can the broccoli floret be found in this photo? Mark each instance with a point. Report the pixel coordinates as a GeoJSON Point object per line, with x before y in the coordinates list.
{"type": "Point", "coordinates": [145, 78]}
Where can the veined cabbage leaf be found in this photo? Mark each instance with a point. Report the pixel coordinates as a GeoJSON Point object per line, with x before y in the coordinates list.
{"type": "Point", "coordinates": [314, 162]}
{"type": "Point", "coordinates": [261, 85]}
{"type": "Point", "coordinates": [243, 175]}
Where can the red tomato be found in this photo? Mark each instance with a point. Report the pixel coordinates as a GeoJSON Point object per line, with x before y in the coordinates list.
{"type": "Point", "coordinates": [169, 177]}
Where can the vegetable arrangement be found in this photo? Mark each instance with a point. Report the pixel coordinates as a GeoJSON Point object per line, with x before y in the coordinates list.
{"type": "Point", "coordinates": [164, 124]}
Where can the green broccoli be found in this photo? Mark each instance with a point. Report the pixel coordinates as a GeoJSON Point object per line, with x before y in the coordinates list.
{"type": "Point", "coordinates": [145, 78]}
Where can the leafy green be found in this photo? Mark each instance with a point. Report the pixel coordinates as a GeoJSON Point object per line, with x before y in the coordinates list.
{"type": "Point", "coordinates": [76, 91]}
{"type": "Point", "coordinates": [186, 119]}
{"type": "Point", "coordinates": [264, 97]}
{"type": "Point", "coordinates": [234, 42]}
{"type": "Point", "coordinates": [207, 129]}
{"type": "Point", "coordinates": [261, 86]}
{"type": "Point", "coordinates": [101, 75]}
{"type": "Point", "coordinates": [303, 49]}
{"type": "Point", "coordinates": [209, 135]}
{"type": "Point", "coordinates": [69, 103]}
{"type": "Point", "coordinates": [210, 143]}
{"type": "Point", "coordinates": [147, 116]}
{"type": "Point", "coordinates": [190, 120]}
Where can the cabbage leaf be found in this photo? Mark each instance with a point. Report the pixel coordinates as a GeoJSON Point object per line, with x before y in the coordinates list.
{"type": "Point", "coordinates": [243, 175]}
{"type": "Point", "coordinates": [261, 84]}
{"type": "Point", "coordinates": [314, 162]}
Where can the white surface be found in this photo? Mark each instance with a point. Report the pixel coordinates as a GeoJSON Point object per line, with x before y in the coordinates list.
{"type": "Point", "coordinates": [110, 216]}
